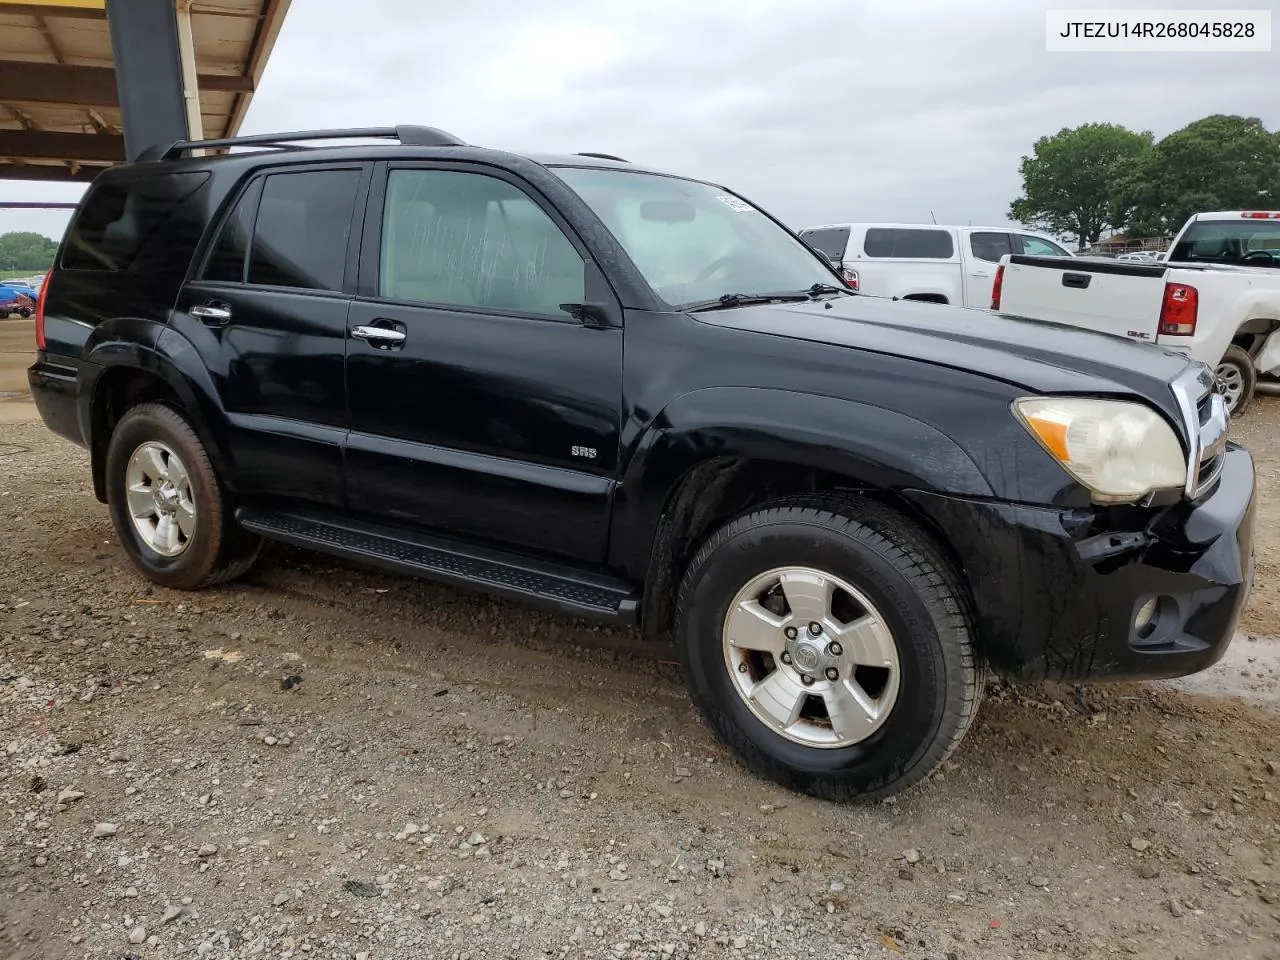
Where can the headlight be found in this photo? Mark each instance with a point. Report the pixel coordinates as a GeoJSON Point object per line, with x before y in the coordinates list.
{"type": "Point", "coordinates": [1121, 451]}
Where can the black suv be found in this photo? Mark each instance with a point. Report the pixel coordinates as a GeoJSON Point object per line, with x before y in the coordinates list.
{"type": "Point", "coordinates": [637, 397]}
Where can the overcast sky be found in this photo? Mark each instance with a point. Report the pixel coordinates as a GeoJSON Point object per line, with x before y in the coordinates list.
{"type": "Point", "coordinates": [816, 109]}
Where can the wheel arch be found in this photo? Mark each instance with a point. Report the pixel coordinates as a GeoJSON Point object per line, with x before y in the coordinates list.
{"type": "Point", "coordinates": [716, 453]}
{"type": "Point", "coordinates": [131, 373]}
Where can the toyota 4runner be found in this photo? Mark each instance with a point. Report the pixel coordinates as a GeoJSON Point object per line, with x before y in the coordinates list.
{"type": "Point", "coordinates": [637, 397]}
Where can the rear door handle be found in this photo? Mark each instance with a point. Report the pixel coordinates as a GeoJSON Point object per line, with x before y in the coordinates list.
{"type": "Point", "coordinates": [379, 336]}
{"type": "Point", "coordinates": [1080, 281]}
{"type": "Point", "coordinates": [213, 314]}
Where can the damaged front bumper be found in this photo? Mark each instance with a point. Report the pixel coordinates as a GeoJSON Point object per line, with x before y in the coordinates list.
{"type": "Point", "coordinates": [1106, 594]}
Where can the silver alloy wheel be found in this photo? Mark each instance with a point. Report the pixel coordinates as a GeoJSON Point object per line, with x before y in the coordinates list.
{"type": "Point", "coordinates": [811, 657]}
{"type": "Point", "coordinates": [158, 489]}
{"type": "Point", "coordinates": [1231, 379]}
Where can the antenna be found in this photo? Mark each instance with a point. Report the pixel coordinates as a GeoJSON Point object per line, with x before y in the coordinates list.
{"type": "Point", "coordinates": [933, 218]}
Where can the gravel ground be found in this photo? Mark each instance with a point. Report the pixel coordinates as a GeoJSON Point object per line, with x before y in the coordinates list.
{"type": "Point", "coordinates": [322, 761]}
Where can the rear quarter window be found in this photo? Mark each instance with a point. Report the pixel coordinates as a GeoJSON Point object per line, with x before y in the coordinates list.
{"type": "Point", "coordinates": [908, 244]}
{"type": "Point", "coordinates": [131, 224]}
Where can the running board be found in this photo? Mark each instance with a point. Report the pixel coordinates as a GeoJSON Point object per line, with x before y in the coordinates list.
{"type": "Point", "coordinates": [561, 588]}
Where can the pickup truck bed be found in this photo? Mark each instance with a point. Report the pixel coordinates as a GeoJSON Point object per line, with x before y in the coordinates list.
{"type": "Point", "coordinates": [1200, 310]}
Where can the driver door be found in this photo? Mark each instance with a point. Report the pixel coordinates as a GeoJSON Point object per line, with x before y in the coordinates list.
{"type": "Point", "coordinates": [478, 406]}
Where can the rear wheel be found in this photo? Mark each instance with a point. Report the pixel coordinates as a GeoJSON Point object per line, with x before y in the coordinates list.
{"type": "Point", "coordinates": [829, 644]}
{"type": "Point", "coordinates": [1238, 378]}
{"type": "Point", "coordinates": [167, 506]}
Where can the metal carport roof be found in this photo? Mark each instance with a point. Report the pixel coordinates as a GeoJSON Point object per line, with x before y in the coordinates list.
{"type": "Point", "coordinates": [60, 117]}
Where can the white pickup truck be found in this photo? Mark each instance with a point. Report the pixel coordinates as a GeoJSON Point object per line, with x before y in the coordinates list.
{"type": "Point", "coordinates": [1216, 298]}
{"type": "Point", "coordinates": [917, 261]}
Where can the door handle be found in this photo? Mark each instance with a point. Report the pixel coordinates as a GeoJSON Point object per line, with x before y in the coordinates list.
{"type": "Point", "coordinates": [379, 335]}
{"type": "Point", "coordinates": [214, 314]}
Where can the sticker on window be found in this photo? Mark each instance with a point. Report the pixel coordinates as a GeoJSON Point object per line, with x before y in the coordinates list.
{"type": "Point", "coordinates": [735, 204]}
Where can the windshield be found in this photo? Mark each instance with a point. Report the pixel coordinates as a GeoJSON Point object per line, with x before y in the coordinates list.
{"type": "Point", "coordinates": [692, 241]}
{"type": "Point", "coordinates": [1250, 243]}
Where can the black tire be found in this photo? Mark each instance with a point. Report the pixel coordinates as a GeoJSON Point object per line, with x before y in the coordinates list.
{"type": "Point", "coordinates": [24, 313]}
{"type": "Point", "coordinates": [219, 549]}
{"type": "Point", "coordinates": [1238, 360]}
{"type": "Point", "coordinates": [917, 591]}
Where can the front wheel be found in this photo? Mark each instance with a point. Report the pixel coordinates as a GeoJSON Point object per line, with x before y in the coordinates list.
{"type": "Point", "coordinates": [1238, 378]}
{"type": "Point", "coordinates": [830, 645]}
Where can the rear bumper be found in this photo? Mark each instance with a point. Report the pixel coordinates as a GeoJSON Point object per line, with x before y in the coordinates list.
{"type": "Point", "coordinates": [1057, 591]}
{"type": "Point", "coordinates": [55, 390]}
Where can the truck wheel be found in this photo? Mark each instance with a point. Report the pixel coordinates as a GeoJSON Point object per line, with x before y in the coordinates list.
{"type": "Point", "coordinates": [1238, 376]}
{"type": "Point", "coordinates": [830, 645]}
{"type": "Point", "coordinates": [167, 505]}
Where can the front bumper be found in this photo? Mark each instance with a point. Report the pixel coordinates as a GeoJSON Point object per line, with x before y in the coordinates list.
{"type": "Point", "coordinates": [1056, 592]}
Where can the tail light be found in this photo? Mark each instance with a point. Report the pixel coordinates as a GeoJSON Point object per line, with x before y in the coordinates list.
{"type": "Point", "coordinates": [1261, 215]}
{"type": "Point", "coordinates": [44, 292]}
{"type": "Point", "coordinates": [996, 286]}
{"type": "Point", "coordinates": [1179, 310]}
{"type": "Point", "coordinates": [850, 277]}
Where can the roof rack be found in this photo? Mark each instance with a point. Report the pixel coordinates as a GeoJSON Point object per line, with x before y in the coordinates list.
{"type": "Point", "coordinates": [410, 136]}
{"type": "Point", "coordinates": [602, 156]}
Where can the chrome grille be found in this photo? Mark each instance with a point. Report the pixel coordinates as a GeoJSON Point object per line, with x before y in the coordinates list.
{"type": "Point", "coordinates": [1205, 417]}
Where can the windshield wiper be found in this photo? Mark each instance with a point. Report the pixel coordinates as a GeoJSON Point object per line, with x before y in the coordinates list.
{"type": "Point", "coordinates": [818, 289]}
{"type": "Point", "coordinates": [731, 300]}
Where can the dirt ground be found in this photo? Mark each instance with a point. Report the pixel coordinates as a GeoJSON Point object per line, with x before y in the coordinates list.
{"type": "Point", "coordinates": [326, 762]}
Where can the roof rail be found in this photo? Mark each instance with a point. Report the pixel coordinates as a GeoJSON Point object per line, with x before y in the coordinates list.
{"type": "Point", "coordinates": [409, 135]}
{"type": "Point", "coordinates": [602, 156]}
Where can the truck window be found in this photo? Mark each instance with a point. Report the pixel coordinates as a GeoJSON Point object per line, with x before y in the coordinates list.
{"type": "Point", "coordinates": [989, 245]}
{"type": "Point", "coordinates": [908, 244]}
{"type": "Point", "coordinates": [469, 240]}
{"type": "Point", "coordinates": [226, 260]}
{"type": "Point", "coordinates": [1038, 247]}
{"type": "Point", "coordinates": [1252, 243]}
{"type": "Point", "coordinates": [831, 241]}
{"type": "Point", "coordinates": [125, 221]}
{"type": "Point", "coordinates": [304, 221]}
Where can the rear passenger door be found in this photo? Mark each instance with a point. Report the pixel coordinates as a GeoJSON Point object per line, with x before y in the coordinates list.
{"type": "Point", "coordinates": [268, 314]}
{"type": "Point", "coordinates": [479, 405]}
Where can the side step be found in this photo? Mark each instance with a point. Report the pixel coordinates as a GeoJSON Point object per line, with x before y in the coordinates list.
{"type": "Point", "coordinates": [562, 588]}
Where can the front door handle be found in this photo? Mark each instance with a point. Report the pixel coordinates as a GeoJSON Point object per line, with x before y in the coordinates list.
{"type": "Point", "coordinates": [213, 314]}
{"type": "Point", "coordinates": [379, 336]}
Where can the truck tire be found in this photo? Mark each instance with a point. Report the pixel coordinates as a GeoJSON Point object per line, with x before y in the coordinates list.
{"type": "Point", "coordinates": [167, 506]}
{"type": "Point", "coordinates": [831, 646]}
{"type": "Point", "coordinates": [1239, 378]}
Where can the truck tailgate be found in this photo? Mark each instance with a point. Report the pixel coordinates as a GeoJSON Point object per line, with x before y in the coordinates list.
{"type": "Point", "coordinates": [1106, 295]}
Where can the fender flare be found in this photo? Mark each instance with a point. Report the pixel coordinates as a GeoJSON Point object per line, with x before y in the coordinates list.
{"type": "Point", "coordinates": [873, 446]}
{"type": "Point", "coordinates": [160, 351]}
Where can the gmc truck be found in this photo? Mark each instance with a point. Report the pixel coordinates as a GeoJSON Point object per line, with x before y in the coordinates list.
{"type": "Point", "coordinates": [1215, 299]}
{"type": "Point", "coordinates": [638, 398]}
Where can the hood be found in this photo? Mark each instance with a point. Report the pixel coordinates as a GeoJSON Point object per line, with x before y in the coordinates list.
{"type": "Point", "coordinates": [1037, 356]}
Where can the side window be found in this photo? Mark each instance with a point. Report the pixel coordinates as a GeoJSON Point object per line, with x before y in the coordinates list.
{"type": "Point", "coordinates": [227, 258]}
{"type": "Point", "coordinates": [304, 222]}
{"type": "Point", "coordinates": [830, 240]}
{"type": "Point", "coordinates": [470, 240]}
{"type": "Point", "coordinates": [909, 244]}
{"type": "Point", "coordinates": [989, 246]}
{"type": "Point", "coordinates": [1035, 247]}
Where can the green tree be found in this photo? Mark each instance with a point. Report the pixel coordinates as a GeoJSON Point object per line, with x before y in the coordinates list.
{"type": "Point", "coordinates": [1217, 163]}
{"type": "Point", "coordinates": [26, 251]}
{"type": "Point", "coordinates": [1067, 182]}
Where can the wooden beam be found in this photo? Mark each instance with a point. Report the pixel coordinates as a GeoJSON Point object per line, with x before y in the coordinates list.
{"type": "Point", "coordinates": [76, 11]}
{"type": "Point", "coordinates": [28, 82]}
{"type": "Point", "coordinates": [46, 145]}
{"type": "Point", "coordinates": [41, 172]}
{"type": "Point", "coordinates": [50, 41]}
